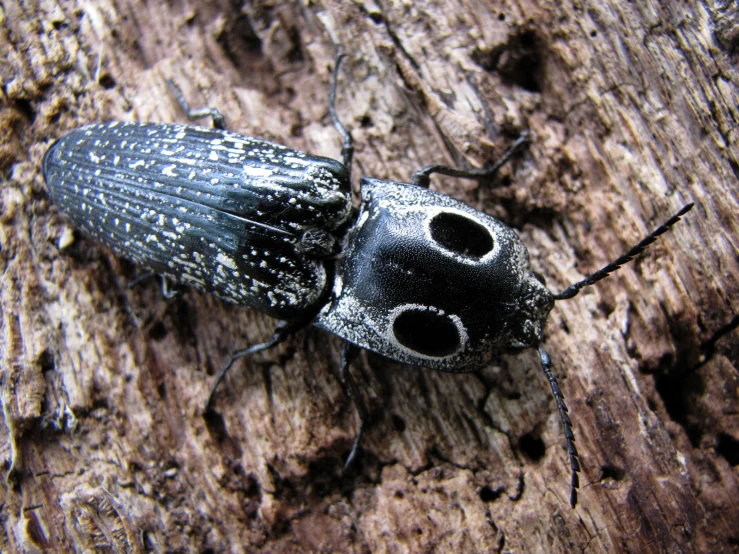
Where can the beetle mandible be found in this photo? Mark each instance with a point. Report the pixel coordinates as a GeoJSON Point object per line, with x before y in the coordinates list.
{"type": "Point", "coordinates": [271, 228]}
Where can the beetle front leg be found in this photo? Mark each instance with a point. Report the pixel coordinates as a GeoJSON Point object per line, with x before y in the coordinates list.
{"type": "Point", "coordinates": [349, 353]}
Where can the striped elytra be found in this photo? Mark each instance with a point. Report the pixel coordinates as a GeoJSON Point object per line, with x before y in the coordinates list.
{"type": "Point", "coordinates": [224, 213]}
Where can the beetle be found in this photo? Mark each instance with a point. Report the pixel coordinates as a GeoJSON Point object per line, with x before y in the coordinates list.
{"type": "Point", "coordinates": [273, 229]}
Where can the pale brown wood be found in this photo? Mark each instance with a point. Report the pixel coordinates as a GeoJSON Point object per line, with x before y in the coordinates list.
{"type": "Point", "coordinates": [632, 108]}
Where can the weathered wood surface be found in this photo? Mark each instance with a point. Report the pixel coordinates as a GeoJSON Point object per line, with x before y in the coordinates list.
{"type": "Point", "coordinates": [633, 112]}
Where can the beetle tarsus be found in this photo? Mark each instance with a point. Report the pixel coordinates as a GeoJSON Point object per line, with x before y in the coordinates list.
{"type": "Point", "coordinates": [139, 279]}
{"type": "Point", "coordinates": [170, 289]}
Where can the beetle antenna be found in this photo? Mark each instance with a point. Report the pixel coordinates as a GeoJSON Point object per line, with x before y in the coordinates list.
{"type": "Point", "coordinates": [572, 290]}
{"type": "Point", "coordinates": [546, 365]}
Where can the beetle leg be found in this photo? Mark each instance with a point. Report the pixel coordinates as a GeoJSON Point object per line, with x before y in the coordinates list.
{"type": "Point", "coordinates": [283, 330]}
{"type": "Point", "coordinates": [347, 149]}
{"type": "Point", "coordinates": [421, 177]}
{"type": "Point", "coordinates": [349, 353]}
{"type": "Point", "coordinates": [197, 113]}
{"type": "Point", "coordinates": [170, 289]}
{"type": "Point", "coordinates": [139, 279]}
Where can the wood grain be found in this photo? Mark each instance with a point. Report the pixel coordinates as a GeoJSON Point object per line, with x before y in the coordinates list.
{"type": "Point", "coordinates": [633, 112]}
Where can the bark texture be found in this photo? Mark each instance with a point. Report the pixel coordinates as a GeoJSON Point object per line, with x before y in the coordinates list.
{"type": "Point", "coordinates": [633, 112]}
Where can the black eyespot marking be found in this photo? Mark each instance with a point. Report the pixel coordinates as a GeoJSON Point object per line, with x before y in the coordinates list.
{"type": "Point", "coordinates": [461, 235]}
{"type": "Point", "coordinates": [426, 332]}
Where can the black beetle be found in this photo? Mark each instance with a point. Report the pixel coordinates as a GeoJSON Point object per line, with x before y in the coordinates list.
{"type": "Point", "coordinates": [414, 275]}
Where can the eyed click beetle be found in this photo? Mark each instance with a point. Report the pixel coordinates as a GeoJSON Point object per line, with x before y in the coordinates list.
{"type": "Point", "coordinates": [414, 275]}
